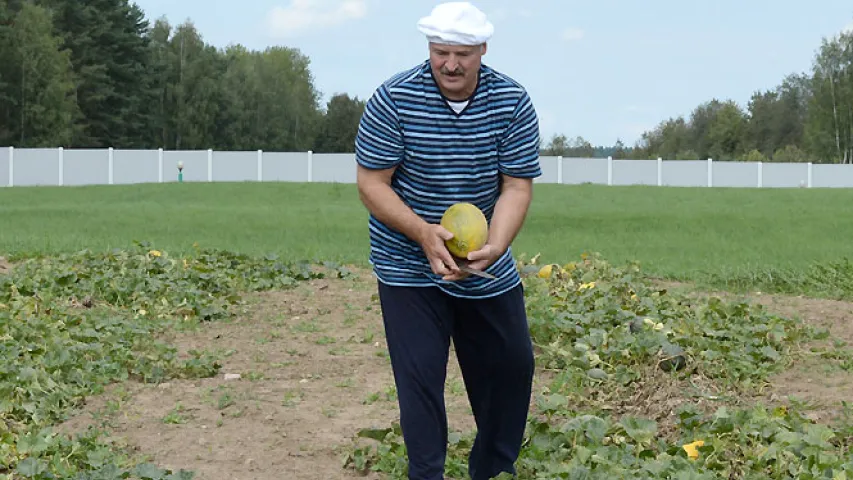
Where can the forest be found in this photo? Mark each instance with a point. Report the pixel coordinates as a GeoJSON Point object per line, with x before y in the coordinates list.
{"type": "Point", "coordinates": [99, 73]}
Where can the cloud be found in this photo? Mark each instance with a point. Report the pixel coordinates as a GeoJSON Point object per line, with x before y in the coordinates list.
{"type": "Point", "coordinates": [303, 16]}
{"type": "Point", "coordinates": [572, 34]}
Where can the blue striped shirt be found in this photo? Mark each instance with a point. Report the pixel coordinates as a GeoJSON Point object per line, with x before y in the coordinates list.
{"type": "Point", "coordinates": [443, 157]}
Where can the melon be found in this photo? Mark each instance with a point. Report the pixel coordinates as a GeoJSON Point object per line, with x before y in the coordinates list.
{"type": "Point", "coordinates": [469, 227]}
{"type": "Point", "coordinates": [545, 271]}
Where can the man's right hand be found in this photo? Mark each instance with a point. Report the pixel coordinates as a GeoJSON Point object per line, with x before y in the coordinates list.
{"type": "Point", "coordinates": [374, 189]}
{"type": "Point", "coordinates": [432, 240]}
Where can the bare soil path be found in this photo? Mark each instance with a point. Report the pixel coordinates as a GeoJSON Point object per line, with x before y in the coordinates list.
{"type": "Point", "coordinates": [819, 386]}
{"type": "Point", "coordinates": [313, 371]}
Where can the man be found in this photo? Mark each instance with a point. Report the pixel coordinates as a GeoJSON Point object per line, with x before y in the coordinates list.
{"type": "Point", "coordinates": [451, 130]}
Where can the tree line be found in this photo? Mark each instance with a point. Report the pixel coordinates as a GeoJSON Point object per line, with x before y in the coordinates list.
{"type": "Point", "coordinates": [97, 73]}
{"type": "Point", "coordinates": [807, 117]}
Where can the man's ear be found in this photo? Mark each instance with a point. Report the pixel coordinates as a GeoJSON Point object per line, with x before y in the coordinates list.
{"type": "Point", "coordinates": [483, 48]}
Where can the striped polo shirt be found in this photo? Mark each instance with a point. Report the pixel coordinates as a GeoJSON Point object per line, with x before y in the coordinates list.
{"type": "Point", "coordinates": [443, 156]}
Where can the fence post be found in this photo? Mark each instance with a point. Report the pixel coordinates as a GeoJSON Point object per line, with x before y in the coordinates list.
{"type": "Point", "coordinates": [61, 167]}
{"type": "Point", "coordinates": [560, 169]}
{"type": "Point", "coordinates": [260, 165]}
{"type": "Point", "coordinates": [760, 174]}
{"type": "Point", "coordinates": [111, 169]}
{"type": "Point", "coordinates": [710, 172]}
{"type": "Point", "coordinates": [209, 164]}
{"type": "Point", "coordinates": [11, 166]}
{"type": "Point", "coordinates": [609, 170]}
{"type": "Point", "coordinates": [160, 165]}
{"type": "Point", "coordinates": [660, 171]}
{"type": "Point", "coordinates": [310, 166]}
{"type": "Point", "coordinates": [809, 184]}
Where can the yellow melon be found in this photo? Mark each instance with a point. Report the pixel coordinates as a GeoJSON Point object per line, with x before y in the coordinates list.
{"type": "Point", "coordinates": [469, 227]}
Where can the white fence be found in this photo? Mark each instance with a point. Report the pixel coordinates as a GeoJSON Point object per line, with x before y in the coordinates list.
{"type": "Point", "coordinates": [57, 166]}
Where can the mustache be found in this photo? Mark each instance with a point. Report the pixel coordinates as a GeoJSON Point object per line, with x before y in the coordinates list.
{"type": "Point", "coordinates": [454, 73]}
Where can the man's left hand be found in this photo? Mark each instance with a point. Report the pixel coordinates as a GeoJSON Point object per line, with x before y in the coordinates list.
{"type": "Point", "coordinates": [479, 260]}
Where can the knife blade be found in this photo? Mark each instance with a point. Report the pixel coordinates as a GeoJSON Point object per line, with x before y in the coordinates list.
{"type": "Point", "coordinates": [474, 271]}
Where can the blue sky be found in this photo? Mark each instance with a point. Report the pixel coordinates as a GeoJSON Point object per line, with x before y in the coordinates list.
{"type": "Point", "coordinates": [602, 70]}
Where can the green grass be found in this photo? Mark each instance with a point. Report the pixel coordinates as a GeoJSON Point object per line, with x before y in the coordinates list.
{"type": "Point", "coordinates": [737, 237]}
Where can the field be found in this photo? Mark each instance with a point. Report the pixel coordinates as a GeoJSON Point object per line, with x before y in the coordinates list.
{"type": "Point", "coordinates": [222, 331]}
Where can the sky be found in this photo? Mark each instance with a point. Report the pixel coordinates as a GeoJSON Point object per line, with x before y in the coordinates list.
{"type": "Point", "coordinates": [603, 70]}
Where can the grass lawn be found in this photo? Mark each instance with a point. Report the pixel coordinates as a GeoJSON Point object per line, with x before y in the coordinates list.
{"type": "Point", "coordinates": [740, 235]}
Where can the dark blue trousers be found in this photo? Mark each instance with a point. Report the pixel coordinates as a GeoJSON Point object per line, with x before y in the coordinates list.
{"type": "Point", "coordinates": [492, 344]}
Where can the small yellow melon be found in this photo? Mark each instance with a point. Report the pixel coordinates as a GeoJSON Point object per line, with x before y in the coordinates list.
{"type": "Point", "coordinates": [545, 271]}
{"type": "Point", "coordinates": [469, 227]}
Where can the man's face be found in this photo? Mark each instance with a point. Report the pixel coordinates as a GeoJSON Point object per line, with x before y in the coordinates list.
{"type": "Point", "coordinates": [455, 68]}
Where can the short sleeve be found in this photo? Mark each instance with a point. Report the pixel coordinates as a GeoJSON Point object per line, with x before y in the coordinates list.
{"type": "Point", "coordinates": [518, 150]}
{"type": "Point", "coordinates": [379, 141]}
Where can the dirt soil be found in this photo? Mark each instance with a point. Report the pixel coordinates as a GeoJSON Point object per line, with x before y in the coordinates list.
{"type": "Point", "coordinates": [5, 266]}
{"type": "Point", "coordinates": [820, 387]}
{"type": "Point", "coordinates": [313, 370]}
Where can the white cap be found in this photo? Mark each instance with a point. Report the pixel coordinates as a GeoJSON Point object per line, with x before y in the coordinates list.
{"type": "Point", "coordinates": [456, 23]}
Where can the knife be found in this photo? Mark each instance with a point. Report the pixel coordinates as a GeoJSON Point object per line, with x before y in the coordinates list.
{"type": "Point", "coordinates": [474, 271]}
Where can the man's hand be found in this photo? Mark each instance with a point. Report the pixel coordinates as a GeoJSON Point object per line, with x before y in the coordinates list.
{"type": "Point", "coordinates": [511, 208]}
{"type": "Point", "coordinates": [483, 258]}
{"type": "Point", "coordinates": [478, 260]}
{"type": "Point", "coordinates": [432, 240]}
{"type": "Point", "coordinates": [374, 188]}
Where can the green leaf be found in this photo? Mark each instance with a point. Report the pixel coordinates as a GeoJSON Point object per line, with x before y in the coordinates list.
{"type": "Point", "coordinates": [149, 471]}
{"type": "Point", "coordinates": [377, 434]}
{"type": "Point", "coordinates": [642, 430]}
{"type": "Point", "coordinates": [31, 467]}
